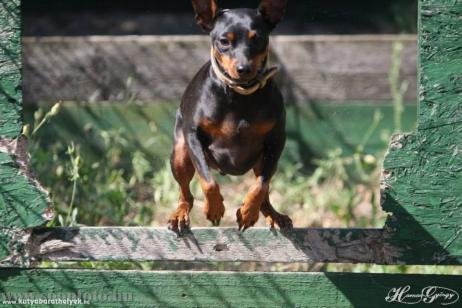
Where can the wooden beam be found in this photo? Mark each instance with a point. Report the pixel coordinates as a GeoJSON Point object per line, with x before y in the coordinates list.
{"type": "Point", "coordinates": [227, 289]}
{"type": "Point", "coordinates": [310, 245]}
{"type": "Point", "coordinates": [210, 244]}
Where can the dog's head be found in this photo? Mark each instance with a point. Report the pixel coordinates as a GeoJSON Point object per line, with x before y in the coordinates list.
{"type": "Point", "coordinates": [240, 37]}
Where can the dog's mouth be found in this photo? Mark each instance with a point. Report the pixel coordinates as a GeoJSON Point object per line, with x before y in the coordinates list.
{"type": "Point", "coordinates": [228, 68]}
{"type": "Point", "coordinates": [248, 79]}
{"type": "Point", "coordinates": [243, 79]}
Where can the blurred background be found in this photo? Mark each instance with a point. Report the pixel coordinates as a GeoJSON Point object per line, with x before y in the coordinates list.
{"type": "Point", "coordinates": [122, 17]}
{"type": "Point", "coordinates": [102, 80]}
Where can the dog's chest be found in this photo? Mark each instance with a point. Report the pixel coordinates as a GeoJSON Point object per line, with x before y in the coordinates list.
{"type": "Point", "coordinates": [232, 127]}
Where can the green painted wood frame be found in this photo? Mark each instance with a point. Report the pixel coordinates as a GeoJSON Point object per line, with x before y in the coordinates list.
{"type": "Point", "coordinates": [421, 189]}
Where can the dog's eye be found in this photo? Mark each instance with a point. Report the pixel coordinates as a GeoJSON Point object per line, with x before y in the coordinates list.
{"type": "Point", "coordinates": [224, 42]}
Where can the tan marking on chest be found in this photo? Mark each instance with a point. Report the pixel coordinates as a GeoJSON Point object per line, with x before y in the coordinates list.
{"type": "Point", "coordinates": [262, 128]}
{"type": "Point", "coordinates": [230, 128]}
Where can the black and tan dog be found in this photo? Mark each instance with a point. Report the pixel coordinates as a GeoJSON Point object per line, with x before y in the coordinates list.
{"type": "Point", "coordinates": [232, 115]}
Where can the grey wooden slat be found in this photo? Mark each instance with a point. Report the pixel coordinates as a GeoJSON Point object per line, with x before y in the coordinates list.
{"type": "Point", "coordinates": [95, 68]}
{"type": "Point", "coordinates": [212, 244]}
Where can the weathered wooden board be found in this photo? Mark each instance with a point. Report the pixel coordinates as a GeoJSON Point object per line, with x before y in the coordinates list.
{"type": "Point", "coordinates": [215, 244]}
{"type": "Point", "coordinates": [23, 203]}
{"type": "Point", "coordinates": [227, 289]}
{"type": "Point", "coordinates": [211, 244]}
{"type": "Point", "coordinates": [95, 68]}
{"type": "Point", "coordinates": [423, 171]}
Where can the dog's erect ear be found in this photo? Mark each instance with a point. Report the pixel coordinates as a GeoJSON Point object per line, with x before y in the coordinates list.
{"type": "Point", "coordinates": [206, 11]}
{"type": "Point", "coordinates": [272, 10]}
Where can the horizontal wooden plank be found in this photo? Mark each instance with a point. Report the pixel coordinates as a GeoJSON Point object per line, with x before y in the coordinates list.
{"type": "Point", "coordinates": [227, 289]}
{"type": "Point", "coordinates": [118, 68]}
{"type": "Point", "coordinates": [211, 244]}
{"type": "Point", "coordinates": [228, 244]}
{"type": "Point", "coordinates": [217, 245]}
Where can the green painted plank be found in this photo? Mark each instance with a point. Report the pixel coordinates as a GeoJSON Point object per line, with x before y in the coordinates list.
{"type": "Point", "coordinates": [5, 239]}
{"type": "Point", "coordinates": [10, 69]}
{"type": "Point", "coordinates": [422, 178]}
{"type": "Point", "coordinates": [227, 289]}
{"type": "Point", "coordinates": [23, 202]}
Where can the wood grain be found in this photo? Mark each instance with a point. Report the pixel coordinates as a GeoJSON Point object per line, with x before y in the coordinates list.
{"type": "Point", "coordinates": [221, 244]}
{"type": "Point", "coordinates": [211, 244]}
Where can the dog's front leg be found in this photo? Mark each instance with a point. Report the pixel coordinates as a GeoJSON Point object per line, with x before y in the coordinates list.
{"type": "Point", "coordinates": [213, 207]}
{"type": "Point", "coordinates": [247, 214]}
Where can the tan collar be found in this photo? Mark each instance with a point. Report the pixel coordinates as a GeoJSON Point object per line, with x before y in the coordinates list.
{"type": "Point", "coordinates": [258, 83]}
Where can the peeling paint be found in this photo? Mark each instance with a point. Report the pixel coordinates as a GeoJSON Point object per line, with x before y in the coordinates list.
{"type": "Point", "coordinates": [17, 148]}
{"type": "Point", "coordinates": [16, 241]}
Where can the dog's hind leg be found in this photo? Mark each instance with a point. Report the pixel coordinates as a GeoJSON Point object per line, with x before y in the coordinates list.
{"type": "Point", "coordinates": [183, 171]}
{"type": "Point", "coordinates": [257, 198]}
{"type": "Point", "coordinates": [272, 216]}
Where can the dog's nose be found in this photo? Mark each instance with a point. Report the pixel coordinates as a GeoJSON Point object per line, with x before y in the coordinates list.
{"type": "Point", "coordinates": [243, 70]}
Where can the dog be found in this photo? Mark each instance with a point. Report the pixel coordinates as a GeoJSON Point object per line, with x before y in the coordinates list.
{"type": "Point", "coordinates": [232, 116]}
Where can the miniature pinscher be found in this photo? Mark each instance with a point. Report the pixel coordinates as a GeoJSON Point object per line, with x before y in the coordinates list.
{"type": "Point", "coordinates": [232, 115]}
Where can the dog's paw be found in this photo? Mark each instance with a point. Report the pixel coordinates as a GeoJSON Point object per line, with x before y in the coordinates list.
{"type": "Point", "coordinates": [214, 211]}
{"type": "Point", "coordinates": [179, 221]}
{"type": "Point", "coordinates": [246, 217]}
{"type": "Point", "coordinates": [284, 222]}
